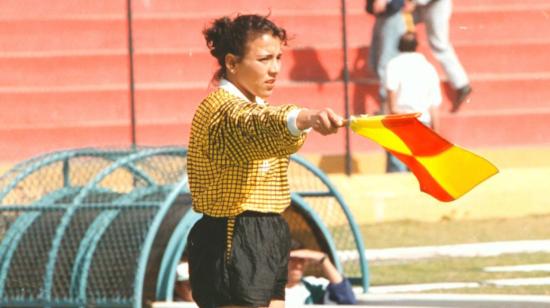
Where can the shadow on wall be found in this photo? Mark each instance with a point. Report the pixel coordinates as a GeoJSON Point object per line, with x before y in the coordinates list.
{"type": "Point", "coordinates": [364, 98]}
{"type": "Point", "coordinates": [307, 66]}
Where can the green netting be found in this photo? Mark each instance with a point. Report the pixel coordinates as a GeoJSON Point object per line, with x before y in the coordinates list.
{"type": "Point", "coordinates": [78, 227]}
{"type": "Point", "coordinates": [106, 228]}
{"type": "Point", "coordinates": [342, 237]}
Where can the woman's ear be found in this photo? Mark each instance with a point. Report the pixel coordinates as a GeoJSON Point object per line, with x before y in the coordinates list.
{"type": "Point", "coordinates": [231, 63]}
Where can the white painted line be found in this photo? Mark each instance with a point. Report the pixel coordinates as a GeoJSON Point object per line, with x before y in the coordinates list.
{"type": "Point", "coordinates": [461, 250]}
{"type": "Point", "coordinates": [456, 298]}
{"type": "Point", "coordinates": [173, 305]}
{"type": "Point", "coordinates": [519, 268]}
{"type": "Point", "coordinates": [411, 288]}
{"type": "Point", "coordinates": [421, 287]}
{"type": "Point", "coordinates": [519, 282]}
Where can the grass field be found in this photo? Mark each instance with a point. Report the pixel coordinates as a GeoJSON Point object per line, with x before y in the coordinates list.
{"type": "Point", "coordinates": [413, 233]}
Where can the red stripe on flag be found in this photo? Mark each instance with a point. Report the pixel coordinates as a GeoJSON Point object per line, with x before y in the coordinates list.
{"type": "Point", "coordinates": [427, 183]}
{"type": "Point", "coordinates": [421, 140]}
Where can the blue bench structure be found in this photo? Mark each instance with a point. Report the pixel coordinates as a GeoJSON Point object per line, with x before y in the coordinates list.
{"type": "Point", "coordinates": [107, 228]}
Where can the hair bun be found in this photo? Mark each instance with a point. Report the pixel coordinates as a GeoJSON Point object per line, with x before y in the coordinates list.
{"type": "Point", "coordinates": [217, 34]}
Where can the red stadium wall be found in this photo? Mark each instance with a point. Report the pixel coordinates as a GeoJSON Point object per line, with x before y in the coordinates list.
{"type": "Point", "coordinates": [65, 70]}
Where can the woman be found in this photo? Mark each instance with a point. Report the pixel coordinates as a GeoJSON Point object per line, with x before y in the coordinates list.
{"type": "Point", "coordinates": [237, 164]}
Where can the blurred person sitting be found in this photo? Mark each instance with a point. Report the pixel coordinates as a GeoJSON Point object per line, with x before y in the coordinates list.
{"type": "Point", "coordinates": [300, 289]}
{"type": "Point", "coordinates": [182, 289]}
{"type": "Point", "coordinates": [413, 86]}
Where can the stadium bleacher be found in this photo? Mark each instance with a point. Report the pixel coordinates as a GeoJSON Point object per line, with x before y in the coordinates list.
{"type": "Point", "coordinates": [65, 70]}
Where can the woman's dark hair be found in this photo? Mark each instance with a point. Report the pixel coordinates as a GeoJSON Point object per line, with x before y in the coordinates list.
{"type": "Point", "coordinates": [408, 42]}
{"type": "Point", "coordinates": [231, 36]}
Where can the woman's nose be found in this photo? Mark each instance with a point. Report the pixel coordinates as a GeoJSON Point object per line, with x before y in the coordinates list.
{"type": "Point", "coordinates": [275, 66]}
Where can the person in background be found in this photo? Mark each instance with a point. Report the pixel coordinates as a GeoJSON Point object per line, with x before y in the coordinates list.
{"type": "Point", "coordinates": [389, 25]}
{"type": "Point", "coordinates": [413, 86]}
{"type": "Point", "coordinates": [436, 15]}
{"type": "Point", "coordinates": [182, 289]}
{"type": "Point", "coordinates": [331, 289]}
{"type": "Point", "coordinates": [238, 157]}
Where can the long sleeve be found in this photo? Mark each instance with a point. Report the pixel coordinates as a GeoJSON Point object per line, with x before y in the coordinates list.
{"type": "Point", "coordinates": [238, 156]}
{"type": "Point", "coordinates": [245, 132]}
{"type": "Point", "coordinates": [341, 293]}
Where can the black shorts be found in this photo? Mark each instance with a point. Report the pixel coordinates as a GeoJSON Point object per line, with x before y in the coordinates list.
{"type": "Point", "coordinates": [252, 272]}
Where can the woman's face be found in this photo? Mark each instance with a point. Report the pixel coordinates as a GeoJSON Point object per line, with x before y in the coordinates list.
{"type": "Point", "coordinates": [255, 74]}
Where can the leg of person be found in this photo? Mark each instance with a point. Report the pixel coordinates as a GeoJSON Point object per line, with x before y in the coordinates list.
{"type": "Point", "coordinates": [391, 30]}
{"type": "Point", "coordinates": [437, 15]}
{"type": "Point", "coordinates": [375, 46]}
{"type": "Point", "coordinates": [393, 164]}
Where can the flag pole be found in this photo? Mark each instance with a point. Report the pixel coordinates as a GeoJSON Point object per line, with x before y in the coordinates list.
{"type": "Point", "coordinates": [348, 166]}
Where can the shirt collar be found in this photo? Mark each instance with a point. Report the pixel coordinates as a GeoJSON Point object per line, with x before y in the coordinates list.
{"type": "Point", "coordinates": [231, 88]}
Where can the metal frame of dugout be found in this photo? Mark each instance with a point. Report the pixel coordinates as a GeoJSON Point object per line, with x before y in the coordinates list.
{"type": "Point", "coordinates": [107, 227]}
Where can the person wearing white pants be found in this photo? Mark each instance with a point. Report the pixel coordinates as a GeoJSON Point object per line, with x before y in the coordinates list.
{"type": "Point", "coordinates": [436, 15]}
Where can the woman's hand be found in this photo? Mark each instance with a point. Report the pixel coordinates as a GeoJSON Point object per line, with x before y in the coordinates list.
{"type": "Point", "coordinates": [324, 121]}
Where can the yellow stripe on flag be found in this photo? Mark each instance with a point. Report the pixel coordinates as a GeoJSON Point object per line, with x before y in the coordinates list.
{"type": "Point", "coordinates": [373, 128]}
{"type": "Point", "coordinates": [458, 170]}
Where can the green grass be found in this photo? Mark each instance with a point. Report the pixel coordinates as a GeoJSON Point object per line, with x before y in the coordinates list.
{"type": "Point", "coordinates": [445, 269]}
{"type": "Point", "coordinates": [414, 233]}
{"type": "Point", "coordinates": [453, 269]}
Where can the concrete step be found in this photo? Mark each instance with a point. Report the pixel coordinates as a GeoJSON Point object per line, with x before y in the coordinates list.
{"type": "Point", "coordinates": [261, 7]}
{"type": "Point", "coordinates": [496, 4]}
{"type": "Point", "coordinates": [36, 9]}
{"type": "Point", "coordinates": [466, 29]}
{"type": "Point", "coordinates": [63, 35]}
{"type": "Point", "coordinates": [307, 64]}
{"type": "Point", "coordinates": [176, 102]}
{"type": "Point", "coordinates": [184, 32]}
{"type": "Point", "coordinates": [497, 128]}
{"type": "Point", "coordinates": [500, 58]}
{"type": "Point", "coordinates": [64, 70]}
{"type": "Point", "coordinates": [486, 129]}
{"type": "Point", "coordinates": [470, 130]}
{"type": "Point", "coordinates": [18, 144]}
{"type": "Point", "coordinates": [63, 108]}
{"type": "Point", "coordinates": [508, 92]}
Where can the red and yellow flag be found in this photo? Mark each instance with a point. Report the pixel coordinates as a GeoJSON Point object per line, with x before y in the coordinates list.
{"type": "Point", "coordinates": [444, 170]}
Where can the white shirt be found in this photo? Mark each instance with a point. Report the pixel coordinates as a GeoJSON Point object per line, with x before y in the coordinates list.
{"type": "Point", "coordinates": [297, 295]}
{"type": "Point", "coordinates": [292, 116]}
{"type": "Point", "coordinates": [415, 82]}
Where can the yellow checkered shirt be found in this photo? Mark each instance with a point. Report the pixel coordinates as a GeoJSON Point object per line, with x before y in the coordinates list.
{"type": "Point", "coordinates": [238, 156]}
